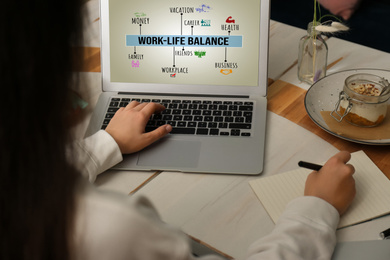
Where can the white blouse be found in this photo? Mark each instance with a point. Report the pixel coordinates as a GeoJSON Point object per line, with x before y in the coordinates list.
{"type": "Point", "coordinates": [115, 226]}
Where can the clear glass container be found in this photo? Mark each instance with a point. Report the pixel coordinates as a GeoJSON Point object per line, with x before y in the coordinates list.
{"type": "Point", "coordinates": [312, 56]}
{"type": "Point", "coordinates": [363, 101]}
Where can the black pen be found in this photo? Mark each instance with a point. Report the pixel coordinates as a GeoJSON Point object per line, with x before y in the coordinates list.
{"type": "Point", "coordinates": [385, 234]}
{"type": "Point", "coordinates": [311, 166]}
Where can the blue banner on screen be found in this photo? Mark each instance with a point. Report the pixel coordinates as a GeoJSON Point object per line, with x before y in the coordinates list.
{"type": "Point", "coordinates": [184, 40]}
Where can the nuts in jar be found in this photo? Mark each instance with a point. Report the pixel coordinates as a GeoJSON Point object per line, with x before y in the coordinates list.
{"type": "Point", "coordinates": [363, 101]}
{"type": "Point", "coordinates": [367, 89]}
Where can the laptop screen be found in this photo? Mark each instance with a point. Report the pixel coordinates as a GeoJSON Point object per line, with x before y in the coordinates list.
{"type": "Point", "coordinates": [184, 42]}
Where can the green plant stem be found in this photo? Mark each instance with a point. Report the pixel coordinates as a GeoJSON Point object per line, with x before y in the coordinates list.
{"type": "Point", "coordinates": [313, 36]}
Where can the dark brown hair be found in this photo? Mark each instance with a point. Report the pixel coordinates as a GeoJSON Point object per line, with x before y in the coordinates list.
{"type": "Point", "coordinates": [37, 182]}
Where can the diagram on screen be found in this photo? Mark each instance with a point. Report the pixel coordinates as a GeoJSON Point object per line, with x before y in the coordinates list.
{"type": "Point", "coordinates": [198, 43]}
{"type": "Point", "coordinates": [191, 45]}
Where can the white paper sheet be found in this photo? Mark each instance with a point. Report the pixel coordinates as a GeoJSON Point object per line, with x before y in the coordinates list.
{"type": "Point", "coordinates": [372, 191]}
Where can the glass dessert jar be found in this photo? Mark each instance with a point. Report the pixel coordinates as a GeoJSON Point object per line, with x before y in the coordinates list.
{"type": "Point", "coordinates": [363, 101]}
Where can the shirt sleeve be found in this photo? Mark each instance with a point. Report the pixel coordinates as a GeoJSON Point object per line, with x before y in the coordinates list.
{"type": "Point", "coordinates": [111, 226]}
{"type": "Point", "coordinates": [95, 154]}
{"type": "Point", "coordinates": [306, 230]}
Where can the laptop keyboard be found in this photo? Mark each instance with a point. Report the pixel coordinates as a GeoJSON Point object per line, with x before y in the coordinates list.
{"type": "Point", "coordinates": [195, 116]}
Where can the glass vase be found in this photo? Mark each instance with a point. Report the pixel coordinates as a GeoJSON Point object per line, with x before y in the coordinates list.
{"type": "Point", "coordinates": [312, 56]}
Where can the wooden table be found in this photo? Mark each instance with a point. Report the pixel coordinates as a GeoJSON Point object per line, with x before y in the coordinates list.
{"type": "Point", "coordinates": [221, 210]}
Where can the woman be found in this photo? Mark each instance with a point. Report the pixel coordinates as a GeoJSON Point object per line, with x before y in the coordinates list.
{"type": "Point", "coordinates": [48, 211]}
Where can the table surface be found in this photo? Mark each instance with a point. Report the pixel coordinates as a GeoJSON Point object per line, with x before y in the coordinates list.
{"type": "Point", "coordinates": [222, 211]}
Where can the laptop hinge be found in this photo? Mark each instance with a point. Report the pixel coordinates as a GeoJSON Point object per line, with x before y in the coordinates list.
{"type": "Point", "coordinates": [183, 95]}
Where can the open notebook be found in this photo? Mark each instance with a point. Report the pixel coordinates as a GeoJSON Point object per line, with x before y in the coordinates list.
{"type": "Point", "coordinates": [372, 191]}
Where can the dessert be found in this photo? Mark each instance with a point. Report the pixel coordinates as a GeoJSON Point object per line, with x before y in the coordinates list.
{"type": "Point", "coordinates": [364, 115]}
{"type": "Point", "coordinates": [363, 101]}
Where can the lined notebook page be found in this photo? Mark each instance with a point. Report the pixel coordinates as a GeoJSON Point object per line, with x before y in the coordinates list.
{"type": "Point", "coordinates": [372, 191]}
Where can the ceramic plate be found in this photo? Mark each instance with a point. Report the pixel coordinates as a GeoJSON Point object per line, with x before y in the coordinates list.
{"type": "Point", "coordinates": [324, 94]}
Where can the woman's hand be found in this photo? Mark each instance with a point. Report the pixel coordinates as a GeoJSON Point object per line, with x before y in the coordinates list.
{"type": "Point", "coordinates": [334, 183]}
{"type": "Point", "coordinates": [127, 127]}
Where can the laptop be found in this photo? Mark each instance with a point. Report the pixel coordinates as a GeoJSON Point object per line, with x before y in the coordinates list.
{"type": "Point", "coordinates": [191, 56]}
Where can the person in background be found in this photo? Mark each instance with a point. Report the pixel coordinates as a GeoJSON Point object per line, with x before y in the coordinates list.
{"type": "Point", "coordinates": [48, 208]}
{"type": "Point", "coordinates": [342, 8]}
{"type": "Point", "coordinates": [366, 18]}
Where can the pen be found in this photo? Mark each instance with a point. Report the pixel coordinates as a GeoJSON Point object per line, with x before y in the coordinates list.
{"type": "Point", "coordinates": [311, 166]}
{"type": "Point", "coordinates": [385, 234]}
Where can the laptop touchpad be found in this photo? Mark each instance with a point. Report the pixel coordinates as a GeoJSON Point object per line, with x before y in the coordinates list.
{"type": "Point", "coordinates": [171, 154]}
